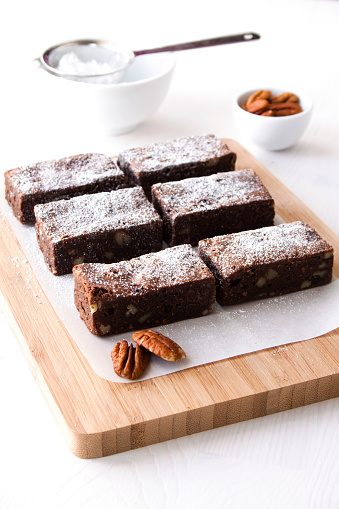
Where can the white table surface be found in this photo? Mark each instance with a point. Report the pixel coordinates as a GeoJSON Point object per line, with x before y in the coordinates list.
{"type": "Point", "coordinates": [288, 460]}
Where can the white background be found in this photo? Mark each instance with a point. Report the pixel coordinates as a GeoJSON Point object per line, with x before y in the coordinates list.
{"type": "Point", "coordinates": [284, 460]}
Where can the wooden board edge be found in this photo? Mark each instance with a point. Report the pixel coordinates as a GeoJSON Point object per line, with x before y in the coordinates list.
{"type": "Point", "coordinates": [154, 431]}
{"type": "Point", "coordinates": [72, 440]}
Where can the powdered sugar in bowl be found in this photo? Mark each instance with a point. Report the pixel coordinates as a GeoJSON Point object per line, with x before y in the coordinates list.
{"type": "Point", "coordinates": [105, 91]}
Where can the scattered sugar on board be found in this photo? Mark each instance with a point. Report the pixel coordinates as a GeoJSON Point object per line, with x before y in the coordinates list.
{"type": "Point", "coordinates": [14, 260]}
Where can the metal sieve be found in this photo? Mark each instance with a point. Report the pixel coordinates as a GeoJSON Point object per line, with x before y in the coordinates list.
{"type": "Point", "coordinates": [115, 55]}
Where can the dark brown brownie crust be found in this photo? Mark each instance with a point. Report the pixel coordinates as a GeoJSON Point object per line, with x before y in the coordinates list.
{"type": "Point", "coordinates": [192, 156]}
{"type": "Point", "coordinates": [153, 289]}
{"type": "Point", "coordinates": [197, 208]}
{"type": "Point", "coordinates": [267, 262]}
{"type": "Point", "coordinates": [59, 179]}
{"type": "Point", "coordinates": [101, 227]}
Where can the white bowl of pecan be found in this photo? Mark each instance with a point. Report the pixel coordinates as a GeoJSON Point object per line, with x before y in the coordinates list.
{"type": "Point", "coordinates": [272, 118]}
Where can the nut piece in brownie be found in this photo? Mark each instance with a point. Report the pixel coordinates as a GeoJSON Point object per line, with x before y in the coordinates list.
{"type": "Point", "coordinates": [101, 227]}
{"type": "Point", "coordinates": [196, 208]}
{"type": "Point", "coordinates": [267, 262]}
{"type": "Point", "coordinates": [192, 156]}
{"type": "Point", "coordinates": [153, 289]}
{"type": "Point", "coordinates": [47, 181]}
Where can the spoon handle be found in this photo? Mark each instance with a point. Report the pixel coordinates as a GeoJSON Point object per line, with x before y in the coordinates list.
{"type": "Point", "coordinates": [228, 39]}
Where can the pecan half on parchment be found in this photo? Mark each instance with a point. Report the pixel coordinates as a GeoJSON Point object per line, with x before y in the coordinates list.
{"type": "Point", "coordinates": [129, 361]}
{"type": "Point", "coordinates": [160, 345]}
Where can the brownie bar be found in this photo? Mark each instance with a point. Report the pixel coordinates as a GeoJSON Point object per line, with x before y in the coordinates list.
{"type": "Point", "coordinates": [267, 262]}
{"type": "Point", "coordinates": [100, 227]}
{"type": "Point", "coordinates": [192, 156]}
{"type": "Point", "coordinates": [196, 208]}
{"type": "Point", "coordinates": [59, 179]}
{"type": "Point", "coordinates": [153, 289]}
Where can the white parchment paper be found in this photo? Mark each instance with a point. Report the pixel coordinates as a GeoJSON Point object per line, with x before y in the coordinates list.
{"type": "Point", "coordinates": [227, 332]}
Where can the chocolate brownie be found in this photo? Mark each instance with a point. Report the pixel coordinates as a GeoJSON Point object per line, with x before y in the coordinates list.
{"type": "Point", "coordinates": [101, 227]}
{"type": "Point", "coordinates": [196, 208]}
{"type": "Point", "coordinates": [192, 156]}
{"type": "Point", "coordinates": [47, 181]}
{"type": "Point", "coordinates": [153, 289]}
{"type": "Point", "coordinates": [267, 261]}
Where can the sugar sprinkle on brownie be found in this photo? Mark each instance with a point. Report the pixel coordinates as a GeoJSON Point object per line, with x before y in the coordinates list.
{"type": "Point", "coordinates": [191, 156]}
{"type": "Point", "coordinates": [153, 289]}
{"type": "Point", "coordinates": [57, 179]}
{"type": "Point", "coordinates": [267, 262]}
{"type": "Point", "coordinates": [195, 208]}
{"type": "Point", "coordinates": [100, 227]}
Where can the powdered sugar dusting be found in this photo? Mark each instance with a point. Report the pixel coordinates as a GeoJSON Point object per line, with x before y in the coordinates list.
{"type": "Point", "coordinates": [180, 151]}
{"type": "Point", "coordinates": [63, 173]}
{"type": "Point", "coordinates": [212, 192]}
{"type": "Point", "coordinates": [95, 213]}
{"type": "Point", "coordinates": [264, 245]}
{"type": "Point", "coordinates": [171, 266]}
{"type": "Point", "coordinates": [71, 64]}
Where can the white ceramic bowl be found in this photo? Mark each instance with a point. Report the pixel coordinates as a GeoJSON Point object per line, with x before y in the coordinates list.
{"type": "Point", "coordinates": [115, 108]}
{"type": "Point", "coordinates": [272, 133]}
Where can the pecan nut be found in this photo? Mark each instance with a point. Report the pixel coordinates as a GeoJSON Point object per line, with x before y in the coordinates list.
{"type": "Point", "coordinates": [265, 104]}
{"type": "Point", "coordinates": [260, 94]}
{"type": "Point", "coordinates": [284, 97]}
{"type": "Point", "coordinates": [129, 361]}
{"type": "Point", "coordinates": [284, 109]}
{"type": "Point", "coordinates": [160, 345]}
{"type": "Point", "coordinates": [257, 106]}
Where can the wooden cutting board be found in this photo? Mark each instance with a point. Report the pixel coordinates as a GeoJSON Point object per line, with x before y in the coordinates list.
{"type": "Point", "coordinates": [99, 418]}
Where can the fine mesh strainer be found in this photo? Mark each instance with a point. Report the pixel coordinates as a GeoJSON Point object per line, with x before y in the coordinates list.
{"type": "Point", "coordinates": [99, 61]}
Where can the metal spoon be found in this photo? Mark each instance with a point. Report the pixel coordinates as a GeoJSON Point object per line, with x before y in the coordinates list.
{"type": "Point", "coordinates": [104, 51]}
